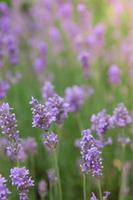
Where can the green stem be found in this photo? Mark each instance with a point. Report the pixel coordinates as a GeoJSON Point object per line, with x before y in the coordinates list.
{"type": "Point", "coordinates": [51, 195]}
{"type": "Point", "coordinates": [84, 187]}
{"type": "Point", "coordinates": [122, 181]}
{"type": "Point", "coordinates": [99, 190]}
{"type": "Point", "coordinates": [58, 176]}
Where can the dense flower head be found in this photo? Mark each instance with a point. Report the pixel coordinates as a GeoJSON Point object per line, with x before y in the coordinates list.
{"type": "Point", "coordinates": [91, 156]}
{"type": "Point", "coordinates": [114, 75]}
{"type": "Point", "coordinates": [75, 97]}
{"type": "Point", "coordinates": [20, 178]}
{"type": "Point", "coordinates": [42, 188]}
{"type": "Point", "coordinates": [4, 87]}
{"type": "Point", "coordinates": [121, 116]}
{"type": "Point", "coordinates": [61, 107]}
{"type": "Point", "coordinates": [101, 122]}
{"type": "Point", "coordinates": [43, 115]}
{"type": "Point", "coordinates": [50, 141]}
{"type": "Point", "coordinates": [8, 123]}
{"type": "Point", "coordinates": [47, 90]}
{"type": "Point", "coordinates": [4, 191]}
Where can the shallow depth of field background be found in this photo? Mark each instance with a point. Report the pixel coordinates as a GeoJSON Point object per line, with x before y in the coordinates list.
{"type": "Point", "coordinates": [66, 70]}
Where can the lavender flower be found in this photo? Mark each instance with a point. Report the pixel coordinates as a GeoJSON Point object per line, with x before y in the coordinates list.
{"type": "Point", "coordinates": [4, 192]}
{"type": "Point", "coordinates": [29, 145]}
{"type": "Point", "coordinates": [43, 114]}
{"type": "Point", "coordinates": [74, 96]}
{"type": "Point", "coordinates": [101, 122]}
{"type": "Point", "coordinates": [93, 197]}
{"type": "Point", "coordinates": [51, 176]}
{"type": "Point", "coordinates": [121, 116]}
{"type": "Point", "coordinates": [114, 75]}
{"type": "Point", "coordinates": [20, 178]}
{"type": "Point", "coordinates": [8, 123]}
{"type": "Point", "coordinates": [91, 160]}
{"type": "Point", "coordinates": [50, 141]}
{"type": "Point", "coordinates": [58, 103]}
{"type": "Point", "coordinates": [42, 188]}
{"type": "Point", "coordinates": [84, 58]}
{"type": "Point", "coordinates": [4, 87]}
{"type": "Point", "coordinates": [123, 140]}
{"type": "Point", "coordinates": [47, 90]}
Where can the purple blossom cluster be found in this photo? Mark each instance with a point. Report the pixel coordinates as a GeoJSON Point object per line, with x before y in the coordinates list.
{"type": "Point", "coordinates": [4, 87]}
{"type": "Point", "coordinates": [91, 156]}
{"type": "Point", "coordinates": [55, 109]}
{"type": "Point", "coordinates": [101, 122]}
{"type": "Point", "coordinates": [20, 178]}
{"type": "Point", "coordinates": [50, 141]}
{"type": "Point", "coordinates": [43, 114]}
{"type": "Point", "coordinates": [4, 191]}
{"type": "Point", "coordinates": [42, 188]}
{"type": "Point", "coordinates": [121, 116]}
{"type": "Point", "coordinates": [105, 197]}
{"type": "Point", "coordinates": [75, 97]}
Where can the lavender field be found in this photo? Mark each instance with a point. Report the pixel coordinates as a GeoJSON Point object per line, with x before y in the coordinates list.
{"type": "Point", "coordinates": [66, 102]}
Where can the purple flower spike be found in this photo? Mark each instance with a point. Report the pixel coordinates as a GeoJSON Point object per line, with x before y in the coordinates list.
{"type": "Point", "coordinates": [101, 122]}
{"type": "Point", "coordinates": [4, 87]}
{"type": "Point", "coordinates": [8, 122]}
{"type": "Point", "coordinates": [93, 197]}
{"type": "Point", "coordinates": [121, 116]}
{"type": "Point", "coordinates": [47, 90]}
{"type": "Point", "coordinates": [43, 114]}
{"type": "Point", "coordinates": [4, 192]}
{"type": "Point", "coordinates": [75, 97]}
{"type": "Point", "coordinates": [114, 75]}
{"type": "Point", "coordinates": [50, 141]}
{"type": "Point", "coordinates": [91, 160]}
{"type": "Point", "coordinates": [61, 107]}
{"type": "Point", "coordinates": [20, 178]}
{"type": "Point", "coordinates": [42, 188]}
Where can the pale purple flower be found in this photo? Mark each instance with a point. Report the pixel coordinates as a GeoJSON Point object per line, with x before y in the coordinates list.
{"type": "Point", "coordinates": [47, 90]}
{"type": "Point", "coordinates": [91, 156]}
{"type": "Point", "coordinates": [21, 179]}
{"type": "Point", "coordinates": [121, 116]}
{"type": "Point", "coordinates": [101, 143]}
{"type": "Point", "coordinates": [106, 195]}
{"type": "Point", "coordinates": [4, 191]}
{"type": "Point", "coordinates": [43, 115]}
{"type": "Point", "coordinates": [42, 188]}
{"type": "Point", "coordinates": [84, 58]}
{"type": "Point", "coordinates": [93, 197]}
{"type": "Point", "coordinates": [29, 145]}
{"type": "Point", "coordinates": [123, 140]}
{"type": "Point", "coordinates": [114, 75]}
{"type": "Point", "coordinates": [4, 87]}
{"type": "Point", "coordinates": [60, 105]}
{"type": "Point", "coordinates": [52, 176]}
{"type": "Point", "coordinates": [75, 97]}
{"type": "Point", "coordinates": [8, 122]}
{"type": "Point", "coordinates": [50, 141]}
{"type": "Point", "coordinates": [101, 122]}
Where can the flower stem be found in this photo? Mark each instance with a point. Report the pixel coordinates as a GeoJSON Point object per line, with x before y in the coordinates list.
{"type": "Point", "coordinates": [58, 176]}
{"type": "Point", "coordinates": [84, 187]}
{"type": "Point", "coordinates": [99, 190]}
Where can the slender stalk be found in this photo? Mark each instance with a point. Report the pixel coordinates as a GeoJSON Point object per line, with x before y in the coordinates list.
{"type": "Point", "coordinates": [84, 187]}
{"type": "Point", "coordinates": [122, 181]}
{"type": "Point", "coordinates": [51, 195]}
{"type": "Point", "coordinates": [58, 176]}
{"type": "Point", "coordinates": [99, 190]}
